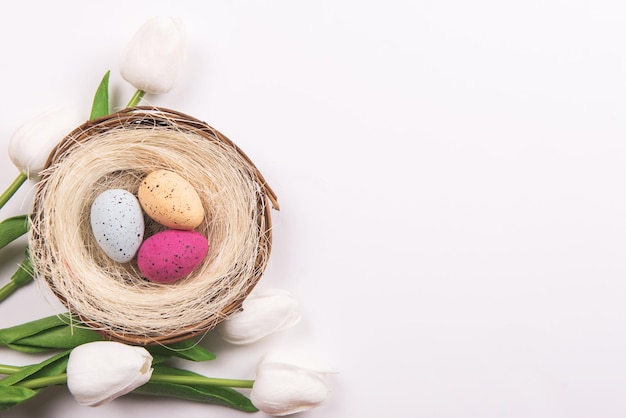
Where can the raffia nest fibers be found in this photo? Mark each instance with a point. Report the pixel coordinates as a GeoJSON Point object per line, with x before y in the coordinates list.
{"type": "Point", "coordinates": [118, 151]}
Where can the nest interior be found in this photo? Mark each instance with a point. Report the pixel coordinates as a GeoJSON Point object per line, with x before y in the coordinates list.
{"type": "Point", "coordinates": [118, 151]}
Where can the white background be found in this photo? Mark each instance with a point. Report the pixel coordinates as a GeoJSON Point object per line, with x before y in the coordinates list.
{"type": "Point", "coordinates": [451, 176]}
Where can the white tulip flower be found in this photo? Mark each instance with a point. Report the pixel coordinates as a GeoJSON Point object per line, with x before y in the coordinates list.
{"type": "Point", "coordinates": [263, 312]}
{"type": "Point", "coordinates": [289, 382]}
{"type": "Point", "coordinates": [155, 56]}
{"type": "Point", "coordinates": [101, 371]}
{"type": "Point", "coordinates": [31, 144]}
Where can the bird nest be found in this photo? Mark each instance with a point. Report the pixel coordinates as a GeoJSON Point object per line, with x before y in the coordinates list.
{"type": "Point", "coordinates": [118, 151]}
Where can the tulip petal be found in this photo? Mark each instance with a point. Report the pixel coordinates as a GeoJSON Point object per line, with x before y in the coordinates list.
{"type": "Point", "coordinates": [31, 144]}
{"type": "Point", "coordinates": [296, 359]}
{"type": "Point", "coordinates": [101, 371]}
{"type": "Point", "coordinates": [263, 313]}
{"type": "Point", "coordinates": [155, 56]}
{"type": "Point", "coordinates": [282, 388]}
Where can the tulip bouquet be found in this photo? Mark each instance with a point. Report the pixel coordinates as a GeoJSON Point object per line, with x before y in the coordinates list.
{"type": "Point", "coordinates": [97, 370]}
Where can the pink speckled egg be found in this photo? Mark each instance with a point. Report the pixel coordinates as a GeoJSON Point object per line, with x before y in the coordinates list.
{"type": "Point", "coordinates": [170, 255]}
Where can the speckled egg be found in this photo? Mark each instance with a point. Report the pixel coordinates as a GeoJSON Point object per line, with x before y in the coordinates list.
{"type": "Point", "coordinates": [117, 224]}
{"type": "Point", "coordinates": [170, 200]}
{"type": "Point", "coordinates": [170, 255]}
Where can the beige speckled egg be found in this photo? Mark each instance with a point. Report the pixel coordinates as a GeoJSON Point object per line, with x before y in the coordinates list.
{"type": "Point", "coordinates": [170, 200]}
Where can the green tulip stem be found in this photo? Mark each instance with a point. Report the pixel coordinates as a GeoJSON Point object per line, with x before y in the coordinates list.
{"type": "Point", "coordinates": [21, 277]}
{"type": "Point", "coordinates": [10, 191]}
{"type": "Point", "coordinates": [201, 380]}
{"type": "Point", "coordinates": [164, 378]}
{"type": "Point", "coordinates": [5, 369]}
{"type": "Point", "coordinates": [42, 382]}
{"type": "Point", "coordinates": [134, 101]}
{"type": "Point", "coordinates": [7, 289]}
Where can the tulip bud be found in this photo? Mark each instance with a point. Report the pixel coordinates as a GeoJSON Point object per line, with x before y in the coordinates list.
{"type": "Point", "coordinates": [287, 383]}
{"type": "Point", "coordinates": [100, 371]}
{"type": "Point", "coordinates": [32, 143]}
{"type": "Point", "coordinates": [264, 312]}
{"type": "Point", "coordinates": [154, 58]}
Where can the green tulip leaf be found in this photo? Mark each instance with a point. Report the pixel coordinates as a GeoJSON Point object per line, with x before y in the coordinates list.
{"type": "Point", "coordinates": [100, 105]}
{"type": "Point", "coordinates": [13, 228]}
{"type": "Point", "coordinates": [159, 359]}
{"type": "Point", "coordinates": [187, 350]}
{"type": "Point", "coordinates": [15, 395]}
{"type": "Point", "coordinates": [56, 333]}
{"type": "Point", "coordinates": [15, 333]}
{"type": "Point", "coordinates": [50, 333]}
{"type": "Point", "coordinates": [57, 338]}
{"type": "Point", "coordinates": [12, 394]}
{"type": "Point", "coordinates": [53, 366]}
{"type": "Point", "coordinates": [218, 395]}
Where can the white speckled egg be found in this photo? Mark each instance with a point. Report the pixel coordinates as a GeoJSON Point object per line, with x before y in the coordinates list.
{"type": "Point", "coordinates": [117, 224]}
{"type": "Point", "coordinates": [170, 200]}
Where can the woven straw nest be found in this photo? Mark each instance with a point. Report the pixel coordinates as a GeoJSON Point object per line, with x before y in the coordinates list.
{"type": "Point", "coordinates": [118, 151]}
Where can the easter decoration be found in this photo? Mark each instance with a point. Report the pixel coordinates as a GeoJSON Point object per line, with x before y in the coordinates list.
{"type": "Point", "coordinates": [136, 212]}
{"type": "Point", "coordinates": [193, 184]}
